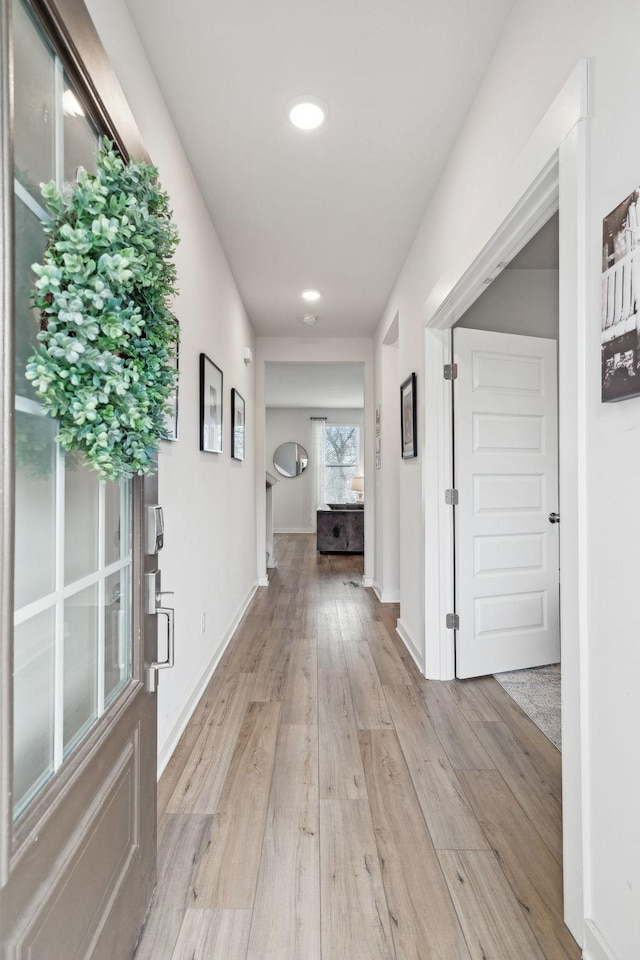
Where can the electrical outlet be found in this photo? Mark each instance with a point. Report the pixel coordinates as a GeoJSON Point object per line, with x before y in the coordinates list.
{"type": "Point", "coordinates": [203, 622]}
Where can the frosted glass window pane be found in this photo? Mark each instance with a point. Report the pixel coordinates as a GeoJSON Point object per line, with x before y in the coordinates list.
{"type": "Point", "coordinates": [117, 542]}
{"type": "Point", "coordinates": [80, 520]}
{"type": "Point", "coordinates": [80, 664]}
{"type": "Point", "coordinates": [34, 103]}
{"type": "Point", "coordinates": [117, 632]}
{"type": "Point", "coordinates": [33, 706]}
{"type": "Point", "coordinates": [80, 136]}
{"type": "Point", "coordinates": [30, 242]}
{"type": "Point", "coordinates": [35, 507]}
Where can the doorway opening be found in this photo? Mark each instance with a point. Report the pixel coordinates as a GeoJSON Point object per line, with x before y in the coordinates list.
{"type": "Point", "coordinates": [548, 175]}
{"type": "Point", "coordinates": [505, 470]}
{"type": "Point", "coordinates": [315, 453]}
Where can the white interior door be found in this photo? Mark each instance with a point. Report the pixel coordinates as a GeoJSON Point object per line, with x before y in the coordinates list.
{"type": "Point", "coordinates": [506, 474]}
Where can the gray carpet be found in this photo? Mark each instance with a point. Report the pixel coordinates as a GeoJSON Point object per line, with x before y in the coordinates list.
{"type": "Point", "coordinates": [537, 691]}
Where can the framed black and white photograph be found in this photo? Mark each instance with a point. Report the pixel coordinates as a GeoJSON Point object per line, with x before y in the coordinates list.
{"type": "Point", "coordinates": [620, 301]}
{"type": "Point", "coordinates": [171, 420]}
{"type": "Point", "coordinates": [237, 425]}
{"type": "Point", "coordinates": [408, 418]}
{"type": "Point", "coordinates": [210, 405]}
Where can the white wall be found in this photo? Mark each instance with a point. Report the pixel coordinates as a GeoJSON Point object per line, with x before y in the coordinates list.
{"type": "Point", "coordinates": [524, 302]}
{"type": "Point", "coordinates": [387, 477]}
{"type": "Point", "coordinates": [541, 44]}
{"type": "Point", "coordinates": [293, 498]}
{"type": "Point", "coordinates": [208, 499]}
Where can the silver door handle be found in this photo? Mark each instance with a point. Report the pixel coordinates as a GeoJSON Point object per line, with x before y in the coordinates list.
{"type": "Point", "coordinates": [154, 607]}
{"type": "Point", "coordinates": [151, 676]}
{"type": "Point", "coordinates": [554, 518]}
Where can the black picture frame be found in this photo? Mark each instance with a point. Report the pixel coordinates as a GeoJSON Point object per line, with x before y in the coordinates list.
{"type": "Point", "coordinates": [238, 425]}
{"type": "Point", "coordinates": [408, 418]}
{"type": "Point", "coordinates": [211, 405]}
{"type": "Point", "coordinates": [620, 314]}
{"type": "Point", "coordinates": [170, 431]}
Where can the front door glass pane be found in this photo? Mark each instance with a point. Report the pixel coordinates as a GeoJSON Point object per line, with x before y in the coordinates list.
{"type": "Point", "coordinates": [34, 94]}
{"type": "Point", "coordinates": [35, 507]}
{"type": "Point", "coordinates": [81, 495]}
{"type": "Point", "coordinates": [117, 527]}
{"type": "Point", "coordinates": [33, 691]}
{"type": "Point", "coordinates": [117, 632]}
{"type": "Point", "coordinates": [80, 664]}
{"type": "Point", "coordinates": [29, 246]}
{"type": "Point", "coordinates": [80, 136]}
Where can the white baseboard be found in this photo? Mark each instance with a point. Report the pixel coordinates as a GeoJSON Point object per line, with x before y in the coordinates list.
{"type": "Point", "coordinates": [367, 581]}
{"type": "Point", "coordinates": [410, 645]}
{"type": "Point", "coordinates": [263, 581]}
{"type": "Point", "coordinates": [392, 596]}
{"type": "Point", "coordinates": [294, 530]}
{"type": "Point", "coordinates": [595, 946]}
{"type": "Point", "coordinates": [166, 751]}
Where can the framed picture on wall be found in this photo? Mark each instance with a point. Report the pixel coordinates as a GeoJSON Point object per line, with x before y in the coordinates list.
{"type": "Point", "coordinates": [378, 416]}
{"type": "Point", "coordinates": [237, 425]}
{"type": "Point", "coordinates": [210, 405]}
{"type": "Point", "coordinates": [620, 336]}
{"type": "Point", "coordinates": [409, 418]}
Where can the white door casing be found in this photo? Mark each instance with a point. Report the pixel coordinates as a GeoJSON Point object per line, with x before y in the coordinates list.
{"type": "Point", "coordinates": [506, 474]}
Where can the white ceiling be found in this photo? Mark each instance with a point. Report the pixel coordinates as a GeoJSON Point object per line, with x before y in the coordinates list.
{"type": "Point", "coordinates": [314, 385]}
{"type": "Point", "coordinates": [336, 208]}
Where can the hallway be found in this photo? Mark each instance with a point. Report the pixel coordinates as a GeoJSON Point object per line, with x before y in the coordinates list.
{"type": "Point", "coordinates": [327, 802]}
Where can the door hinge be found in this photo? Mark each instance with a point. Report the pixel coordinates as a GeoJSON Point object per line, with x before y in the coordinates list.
{"type": "Point", "coordinates": [453, 621]}
{"type": "Point", "coordinates": [450, 371]}
{"type": "Point", "coordinates": [451, 497]}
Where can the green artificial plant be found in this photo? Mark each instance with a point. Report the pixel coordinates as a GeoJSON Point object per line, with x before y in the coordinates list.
{"type": "Point", "coordinates": [103, 364]}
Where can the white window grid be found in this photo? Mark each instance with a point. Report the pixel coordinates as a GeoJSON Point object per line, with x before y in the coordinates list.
{"type": "Point", "coordinates": [62, 592]}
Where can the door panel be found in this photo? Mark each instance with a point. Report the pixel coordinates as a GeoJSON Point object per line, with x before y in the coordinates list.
{"type": "Point", "coordinates": [506, 466]}
{"type": "Point", "coordinates": [114, 812]}
{"type": "Point", "coordinates": [78, 760]}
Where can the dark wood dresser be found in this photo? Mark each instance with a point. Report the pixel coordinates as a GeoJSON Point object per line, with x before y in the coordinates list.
{"type": "Point", "coordinates": [340, 528]}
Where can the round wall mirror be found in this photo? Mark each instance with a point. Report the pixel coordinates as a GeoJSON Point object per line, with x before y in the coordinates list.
{"type": "Point", "coordinates": [290, 459]}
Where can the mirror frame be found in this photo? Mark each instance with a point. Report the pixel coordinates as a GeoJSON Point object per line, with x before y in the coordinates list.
{"type": "Point", "coordinates": [299, 461]}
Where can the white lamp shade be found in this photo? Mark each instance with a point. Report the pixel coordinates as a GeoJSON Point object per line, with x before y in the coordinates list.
{"type": "Point", "coordinates": [357, 483]}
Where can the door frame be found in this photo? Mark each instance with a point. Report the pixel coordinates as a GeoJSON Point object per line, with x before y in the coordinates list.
{"type": "Point", "coordinates": [549, 174]}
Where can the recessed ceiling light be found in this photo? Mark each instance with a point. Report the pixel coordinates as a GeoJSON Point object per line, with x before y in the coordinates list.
{"type": "Point", "coordinates": [309, 319]}
{"type": "Point", "coordinates": [310, 295]}
{"type": "Point", "coordinates": [307, 113]}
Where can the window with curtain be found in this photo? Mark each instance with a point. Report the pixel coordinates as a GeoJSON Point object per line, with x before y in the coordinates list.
{"type": "Point", "coordinates": [341, 458]}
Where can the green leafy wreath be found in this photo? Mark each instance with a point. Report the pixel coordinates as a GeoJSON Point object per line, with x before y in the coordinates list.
{"type": "Point", "coordinates": [103, 365]}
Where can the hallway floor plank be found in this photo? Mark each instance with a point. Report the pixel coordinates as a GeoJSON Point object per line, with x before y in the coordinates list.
{"type": "Point", "coordinates": [327, 803]}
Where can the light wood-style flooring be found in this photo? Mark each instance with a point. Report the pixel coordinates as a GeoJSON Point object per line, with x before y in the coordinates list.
{"type": "Point", "coordinates": [327, 803]}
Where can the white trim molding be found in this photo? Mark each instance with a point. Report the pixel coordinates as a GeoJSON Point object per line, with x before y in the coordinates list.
{"type": "Point", "coordinates": [405, 636]}
{"type": "Point", "coordinates": [595, 946]}
{"type": "Point", "coordinates": [385, 596]}
{"type": "Point", "coordinates": [186, 713]}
